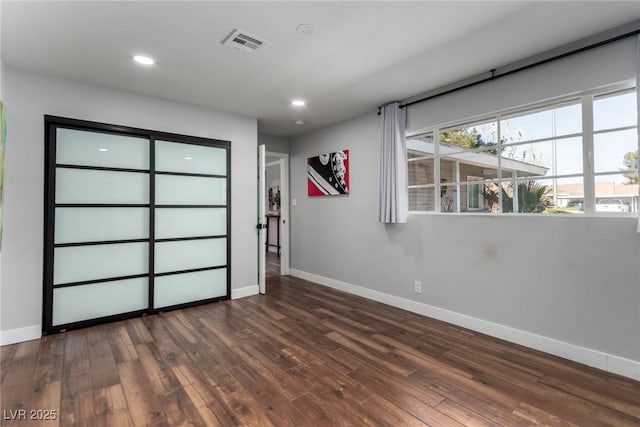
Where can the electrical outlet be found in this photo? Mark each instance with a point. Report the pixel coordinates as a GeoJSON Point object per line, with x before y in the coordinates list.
{"type": "Point", "coordinates": [417, 286]}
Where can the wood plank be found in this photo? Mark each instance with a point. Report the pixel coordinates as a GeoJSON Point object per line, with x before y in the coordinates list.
{"type": "Point", "coordinates": [463, 415]}
{"type": "Point", "coordinates": [385, 413]}
{"type": "Point", "coordinates": [271, 400]}
{"type": "Point", "coordinates": [103, 371]}
{"type": "Point", "coordinates": [243, 407]}
{"type": "Point", "coordinates": [378, 360]}
{"type": "Point", "coordinates": [338, 396]}
{"type": "Point", "coordinates": [304, 355]}
{"type": "Point", "coordinates": [178, 408]}
{"type": "Point", "coordinates": [143, 404]}
{"type": "Point", "coordinates": [110, 407]}
{"type": "Point", "coordinates": [121, 344]}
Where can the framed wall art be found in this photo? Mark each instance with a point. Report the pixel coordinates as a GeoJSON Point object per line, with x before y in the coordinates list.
{"type": "Point", "coordinates": [328, 174]}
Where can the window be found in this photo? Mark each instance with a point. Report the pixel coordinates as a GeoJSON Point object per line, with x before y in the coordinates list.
{"type": "Point", "coordinates": [615, 152]}
{"type": "Point", "coordinates": [474, 192]}
{"type": "Point", "coordinates": [551, 159]}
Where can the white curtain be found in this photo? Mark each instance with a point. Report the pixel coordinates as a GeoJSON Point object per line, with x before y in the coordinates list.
{"type": "Point", "coordinates": [638, 110]}
{"type": "Point", "coordinates": [394, 198]}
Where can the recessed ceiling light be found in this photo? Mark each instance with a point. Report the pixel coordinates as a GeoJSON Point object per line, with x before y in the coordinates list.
{"type": "Point", "coordinates": [298, 103]}
{"type": "Point", "coordinates": [144, 60]}
{"type": "Point", "coordinates": [188, 158]}
{"type": "Point", "coordinates": [103, 149]}
{"type": "Point", "coordinates": [299, 122]}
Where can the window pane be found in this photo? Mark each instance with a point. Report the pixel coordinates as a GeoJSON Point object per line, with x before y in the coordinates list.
{"type": "Point", "coordinates": [471, 136]}
{"type": "Point", "coordinates": [447, 172]}
{"type": "Point", "coordinates": [448, 198]}
{"type": "Point", "coordinates": [76, 147]}
{"type": "Point", "coordinates": [490, 196]}
{"type": "Point", "coordinates": [471, 195]}
{"type": "Point", "coordinates": [420, 171]}
{"type": "Point", "coordinates": [412, 154]}
{"type": "Point", "coordinates": [95, 186]}
{"type": "Point", "coordinates": [188, 287]}
{"type": "Point", "coordinates": [614, 151]}
{"type": "Point", "coordinates": [568, 154]}
{"type": "Point", "coordinates": [568, 119]}
{"type": "Point", "coordinates": [76, 303]}
{"type": "Point", "coordinates": [190, 254]}
{"type": "Point", "coordinates": [420, 145]}
{"type": "Point", "coordinates": [614, 194]}
{"type": "Point", "coordinates": [421, 199]}
{"type": "Point", "coordinates": [74, 225]}
{"type": "Point", "coordinates": [176, 222]}
{"type": "Point", "coordinates": [614, 111]}
{"type": "Point", "coordinates": [190, 190]}
{"type": "Point", "coordinates": [527, 127]}
{"type": "Point", "coordinates": [476, 172]}
{"type": "Point", "coordinates": [567, 196]}
{"type": "Point", "coordinates": [190, 158]}
{"type": "Point", "coordinates": [529, 196]}
{"type": "Point", "coordinates": [563, 120]}
{"type": "Point", "coordinates": [535, 159]}
{"type": "Point", "coordinates": [80, 263]}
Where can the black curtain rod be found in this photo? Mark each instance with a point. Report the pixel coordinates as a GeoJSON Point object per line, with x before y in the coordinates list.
{"type": "Point", "coordinates": [522, 68]}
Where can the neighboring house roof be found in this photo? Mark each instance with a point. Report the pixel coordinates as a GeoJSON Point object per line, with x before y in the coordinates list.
{"type": "Point", "coordinates": [602, 189]}
{"type": "Point", "coordinates": [478, 158]}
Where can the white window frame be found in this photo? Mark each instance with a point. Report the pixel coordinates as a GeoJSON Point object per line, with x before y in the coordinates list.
{"type": "Point", "coordinates": [588, 174]}
{"type": "Point", "coordinates": [477, 183]}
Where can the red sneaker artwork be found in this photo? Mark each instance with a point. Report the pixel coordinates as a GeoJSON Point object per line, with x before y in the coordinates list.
{"type": "Point", "coordinates": [328, 174]}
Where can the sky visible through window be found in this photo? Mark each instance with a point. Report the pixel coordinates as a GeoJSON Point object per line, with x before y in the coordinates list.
{"type": "Point", "coordinates": [609, 112]}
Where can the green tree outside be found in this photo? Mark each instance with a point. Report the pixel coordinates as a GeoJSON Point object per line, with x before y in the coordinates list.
{"type": "Point", "coordinates": [630, 161]}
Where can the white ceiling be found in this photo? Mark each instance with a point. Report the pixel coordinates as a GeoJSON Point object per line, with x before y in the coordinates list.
{"type": "Point", "coordinates": [360, 55]}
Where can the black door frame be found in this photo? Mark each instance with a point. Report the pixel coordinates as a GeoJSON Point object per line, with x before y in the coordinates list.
{"type": "Point", "coordinates": [51, 124]}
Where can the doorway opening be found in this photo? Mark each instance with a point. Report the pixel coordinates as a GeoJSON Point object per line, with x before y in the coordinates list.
{"type": "Point", "coordinates": [277, 212]}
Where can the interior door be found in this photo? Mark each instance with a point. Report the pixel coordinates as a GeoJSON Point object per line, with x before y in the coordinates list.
{"type": "Point", "coordinates": [262, 220]}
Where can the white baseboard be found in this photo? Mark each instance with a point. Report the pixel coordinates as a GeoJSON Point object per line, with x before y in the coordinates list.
{"type": "Point", "coordinates": [247, 291]}
{"type": "Point", "coordinates": [13, 336]}
{"type": "Point", "coordinates": [597, 359]}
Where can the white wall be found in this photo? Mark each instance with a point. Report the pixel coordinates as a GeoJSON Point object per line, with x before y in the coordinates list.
{"type": "Point", "coordinates": [31, 96]}
{"type": "Point", "coordinates": [1, 100]}
{"type": "Point", "coordinates": [588, 70]}
{"type": "Point", "coordinates": [566, 285]}
{"type": "Point", "coordinates": [1, 63]}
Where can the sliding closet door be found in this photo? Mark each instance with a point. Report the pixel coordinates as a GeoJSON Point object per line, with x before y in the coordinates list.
{"type": "Point", "coordinates": [191, 223]}
{"type": "Point", "coordinates": [101, 229]}
{"type": "Point", "coordinates": [136, 222]}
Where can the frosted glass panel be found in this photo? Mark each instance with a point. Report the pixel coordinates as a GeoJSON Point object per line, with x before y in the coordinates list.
{"type": "Point", "coordinates": [76, 303]}
{"type": "Point", "coordinates": [91, 186]}
{"type": "Point", "coordinates": [190, 158]}
{"type": "Point", "coordinates": [188, 254]}
{"type": "Point", "coordinates": [194, 222]}
{"type": "Point", "coordinates": [188, 287]}
{"type": "Point", "coordinates": [190, 190]}
{"type": "Point", "coordinates": [77, 147]}
{"type": "Point", "coordinates": [80, 263]}
{"type": "Point", "coordinates": [74, 225]}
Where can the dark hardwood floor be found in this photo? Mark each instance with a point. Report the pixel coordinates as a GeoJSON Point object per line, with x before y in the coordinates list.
{"type": "Point", "coordinates": [302, 355]}
{"type": "Point", "coordinates": [273, 264]}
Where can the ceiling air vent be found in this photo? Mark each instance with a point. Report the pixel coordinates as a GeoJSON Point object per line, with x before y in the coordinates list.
{"type": "Point", "coordinates": [242, 41]}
